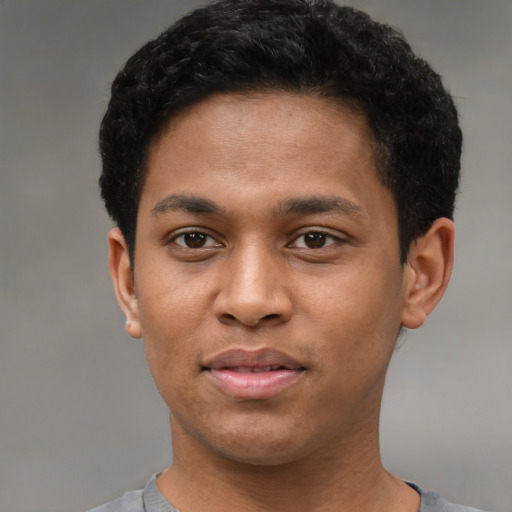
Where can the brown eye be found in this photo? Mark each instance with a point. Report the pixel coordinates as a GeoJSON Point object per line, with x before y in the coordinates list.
{"type": "Point", "coordinates": [315, 240]}
{"type": "Point", "coordinates": [194, 240]}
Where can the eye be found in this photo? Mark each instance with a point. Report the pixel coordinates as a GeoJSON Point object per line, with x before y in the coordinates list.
{"type": "Point", "coordinates": [194, 240]}
{"type": "Point", "coordinates": [314, 240]}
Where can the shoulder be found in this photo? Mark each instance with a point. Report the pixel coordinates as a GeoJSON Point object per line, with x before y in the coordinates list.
{"type": "Point", "coordinates": [433, 502]}
{"type": "Point", "coordinates": [148, 500]}
{"type": "Point", "coordinates": [130, 502]}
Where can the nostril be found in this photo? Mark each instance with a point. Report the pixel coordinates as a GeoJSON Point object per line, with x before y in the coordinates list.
{"type": "Point", "coordinates": [252, 308]}
{"type": "Point", "coordinates": [228, 317]}
{"type": "Point", "coordinates": [271, 316]}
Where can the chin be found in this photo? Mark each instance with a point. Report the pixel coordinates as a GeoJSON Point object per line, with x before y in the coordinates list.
{"type": "Point", "coordinates": [260, 447]}
{"type": "Point", "coordinates": [262, 456]}
{"type": "Point", "coordinates": [257, 438]}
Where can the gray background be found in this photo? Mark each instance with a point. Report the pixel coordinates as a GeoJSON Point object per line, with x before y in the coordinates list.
{"type": "Point", "coordinates": [79, 420]}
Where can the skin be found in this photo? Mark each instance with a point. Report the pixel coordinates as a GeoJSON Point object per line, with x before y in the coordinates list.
{"type": "Point", "coordinates": [295, 249]}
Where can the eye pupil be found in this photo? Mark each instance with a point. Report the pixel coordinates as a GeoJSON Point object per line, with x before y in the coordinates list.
{"type": "Point", "coordinates": [195, 240]}
{"type": "Point", "coordinates": [315, 240]}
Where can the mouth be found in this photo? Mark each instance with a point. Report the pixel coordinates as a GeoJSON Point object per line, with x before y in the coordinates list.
{"type": "Point", "coordinates": [253, 375]}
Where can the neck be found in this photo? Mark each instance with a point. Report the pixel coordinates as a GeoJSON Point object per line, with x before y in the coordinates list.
{"type": "Point", "coordinates": [348, 477]}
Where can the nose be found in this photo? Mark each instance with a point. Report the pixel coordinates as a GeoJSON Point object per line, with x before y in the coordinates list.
{"type": "Point", "coordinates": [251, 292]}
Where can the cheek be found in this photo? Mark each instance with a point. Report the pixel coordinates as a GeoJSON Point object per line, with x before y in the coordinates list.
{"type": "Point", "coordinates": [170, 302]}
{"type": "Point", "coordinates": [360, 317]}
{"type": "Point", "coordinates": [173, 358]}
{"type": "Point", "coordinates": [172, 320]}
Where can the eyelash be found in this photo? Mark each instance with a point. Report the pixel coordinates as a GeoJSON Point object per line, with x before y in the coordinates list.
{"type": "Point", "coordinates": [315, 232]}
{"type": "Point", "coordinates": [324, 239]}
{"type": "Point", "coordinates": [199, 233]}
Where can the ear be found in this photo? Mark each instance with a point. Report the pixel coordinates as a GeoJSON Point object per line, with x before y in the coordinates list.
{"type": "Point", "coordinates": [427, 272]}
{"type": "Point", "coordinates": [122, 278]}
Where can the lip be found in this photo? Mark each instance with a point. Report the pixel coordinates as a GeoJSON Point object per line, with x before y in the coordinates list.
{"type": "Point", "coordinates": [253, 375]}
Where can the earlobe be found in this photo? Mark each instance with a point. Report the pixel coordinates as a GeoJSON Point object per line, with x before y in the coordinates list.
{"type": "Point", "coordinates": [122, 279]}
{"type": "Point", "coordinates": [427, 272]}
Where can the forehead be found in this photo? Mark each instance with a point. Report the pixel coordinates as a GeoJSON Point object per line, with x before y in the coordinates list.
{"type": "Point", "coordinates": [285, 143]}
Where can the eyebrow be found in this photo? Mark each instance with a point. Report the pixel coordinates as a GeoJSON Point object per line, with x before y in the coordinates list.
{"type": "Point", "coordinates": [309, 205]}
{"type": "Point", "coordinates": [189, 204]}
{"type": "Point", "coordinates": [318, 204]}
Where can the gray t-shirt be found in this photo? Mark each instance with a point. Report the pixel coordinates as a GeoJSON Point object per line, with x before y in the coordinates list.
{"type": "Point", "coordinates": [151, 500]}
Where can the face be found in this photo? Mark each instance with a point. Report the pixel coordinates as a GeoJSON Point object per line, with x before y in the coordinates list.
{"type": "Point", "coordinates": [267, 280]}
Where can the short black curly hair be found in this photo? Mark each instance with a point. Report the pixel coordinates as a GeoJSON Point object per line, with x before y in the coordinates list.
{"type": "Point", "coordinates": [305, 46]}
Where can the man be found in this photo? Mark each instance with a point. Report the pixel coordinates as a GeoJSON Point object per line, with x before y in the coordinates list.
{"type": "Point", "coordinates": [282, 174]}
